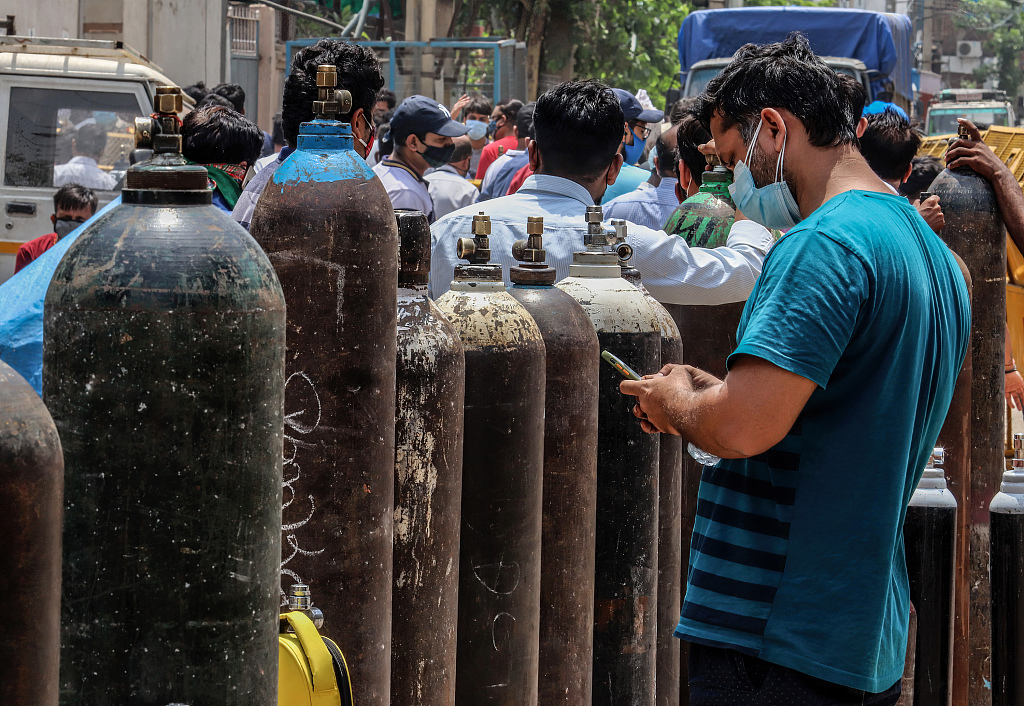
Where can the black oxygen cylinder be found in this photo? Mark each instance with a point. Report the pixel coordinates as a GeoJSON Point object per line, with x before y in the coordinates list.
{"type": "Point", "coordinates": [428, 482]}
{"type": "Point", "coordinates": [327, 225]}
{"type": "Point", "coordinates": [708, 334]}
{"type": "Point", "coordinates": [626, 583]}
{"type": "Point", "coordinates": [670, 507]}
{"type": "Point", "coordinates": [31, 492]}
{"type": "Point", "coordinates": [974, 231]}
{"type": "Point", "coordinates": [570, 475]}
{"type": "Point", "coordinates": [502, 482]}
{"type": "Point", "coordinates": [929, 536]}
{"type": "Point", "coordinates": [1007, 581]}
{"type": "Point", "coordinates": [163, 368]}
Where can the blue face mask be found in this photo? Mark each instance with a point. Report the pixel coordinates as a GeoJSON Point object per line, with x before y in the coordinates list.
{"type": "Point", "coordinates": [477, 129]}
{"type": "Point", "coordinates": [633, 152]}
{"type": "Point", "coordinates": [492, 128]}
{"type": "Point", "coordinates": [773, 206]}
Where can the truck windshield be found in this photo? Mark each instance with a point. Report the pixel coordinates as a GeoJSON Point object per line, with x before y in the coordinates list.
{"type": "Point", "coordinates": [56, 137]}
{"type": "Point", "coordinates": [943, 120]}
{"type": "Point", "coordinates": [699, 79]}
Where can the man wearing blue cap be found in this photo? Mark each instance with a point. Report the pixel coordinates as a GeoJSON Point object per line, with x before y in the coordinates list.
{"type": "Point", "coordinates": [634, 137]}
{"type": "Point", "coordinates": [422, 131]}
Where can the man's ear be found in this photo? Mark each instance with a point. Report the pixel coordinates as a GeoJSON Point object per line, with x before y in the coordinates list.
{"type": "Point", "coordinates": [775, 127]}
{"type": "Point", "coordinates": [354, 119]}
{"type": "Point", "coordinates": [685, 177]}
{"type": "Point", "coordinates": [410, 142]}
{"type": "Point", "coordinates": [613, 169]}
{"type": "Point", "coordinates": [53, 219]}
{"type": "Point", "coordinates": [906, 175]}
{"type": "Point", "coordinates": [862, 126]}
{"type": "Point", "coordinates": [533, 152]}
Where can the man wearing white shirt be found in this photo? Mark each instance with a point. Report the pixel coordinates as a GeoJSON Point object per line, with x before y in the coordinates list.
{"type": "Point", "coordinates": [449, 189]}
{"type": "Point", "coordinates": [578, 126]}
{"type": "Point", "coordinates": [650, 205]}
{"type": "Point", "coordinates": [87, 145]}
{"type": "Point", "coordinates": [422, 130]}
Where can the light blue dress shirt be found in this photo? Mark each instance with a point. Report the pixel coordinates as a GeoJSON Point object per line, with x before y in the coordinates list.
{"type": "Point", "coordinates": [649, 206]}
{"type": "Point", "coordinates": [672, 271]}
{"type": "Point", "coordinates": [630, 177]}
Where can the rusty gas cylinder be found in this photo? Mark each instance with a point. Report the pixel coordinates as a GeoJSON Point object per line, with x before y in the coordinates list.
{"type": "Point", "coordinates": [502, 479]}
{"type": "Point", "coordinates": [974, 231]}
{"type": "Point", "coordinates": [670, 478]}
{"type": "Point", "coordinates": [32, 490]}
{"type": "Point", "coordinates": [626, 583]}
{"type": "Point", "coordinates": [428, 482]}
{"type": "Point", "coordinates": [163, 368]}
{"type": "Point", "coordinates": [570, 474]}
{"type": "Point", "coordinates": [327, 225]}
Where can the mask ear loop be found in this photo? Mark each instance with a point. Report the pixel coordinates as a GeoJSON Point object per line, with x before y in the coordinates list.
{"type": "Point", "coordinates": [780, 164]}
{"type": "Point", "coordinates": [753, 141]}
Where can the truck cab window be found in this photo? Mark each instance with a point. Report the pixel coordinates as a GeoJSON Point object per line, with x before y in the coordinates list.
{"type": "Point", "coordinates": [56, 137]}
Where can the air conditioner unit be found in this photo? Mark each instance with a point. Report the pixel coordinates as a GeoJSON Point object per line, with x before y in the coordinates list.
{"type": "Point", "coordinates": [968, 50]}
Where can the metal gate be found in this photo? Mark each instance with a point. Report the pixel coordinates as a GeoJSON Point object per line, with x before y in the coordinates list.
{"type": "Point", "coordinates": [245, 54]}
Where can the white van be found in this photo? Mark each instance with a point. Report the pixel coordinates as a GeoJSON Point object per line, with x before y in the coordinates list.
{"type": "Point", "coordinates": [49, 89]}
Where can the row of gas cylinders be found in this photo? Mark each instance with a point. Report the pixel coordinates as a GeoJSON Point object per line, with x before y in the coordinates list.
{"type": "Point", "coordinates": [462, 486]}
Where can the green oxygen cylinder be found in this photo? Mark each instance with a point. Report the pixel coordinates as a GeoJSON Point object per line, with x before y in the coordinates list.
{"type": "Point", "coordinates": [704, 219]}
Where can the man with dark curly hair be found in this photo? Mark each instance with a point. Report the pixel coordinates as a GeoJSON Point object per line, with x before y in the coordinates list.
{"type": "Point", "coordinates": [358, 73]}
{"type": "Point", "coordinates": [855, 331]}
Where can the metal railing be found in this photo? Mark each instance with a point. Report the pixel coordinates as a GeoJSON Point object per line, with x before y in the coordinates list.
{"type": "Point", "coordinates": [444, 69]}
{"type": "Point", "coordinates": [245, 30]}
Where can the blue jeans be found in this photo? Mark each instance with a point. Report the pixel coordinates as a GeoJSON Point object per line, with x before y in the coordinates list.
{"type": "Point", "coordinates": [721, 677]}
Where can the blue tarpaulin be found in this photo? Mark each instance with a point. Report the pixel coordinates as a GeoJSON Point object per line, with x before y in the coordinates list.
{"type": "Point", "coordinates": [21, 307]}
{"type": "Point", "coordinates": [881, 40]}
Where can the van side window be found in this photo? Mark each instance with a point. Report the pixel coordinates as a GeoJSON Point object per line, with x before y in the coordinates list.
{"type": "Point", "coordinates": [55, 137]}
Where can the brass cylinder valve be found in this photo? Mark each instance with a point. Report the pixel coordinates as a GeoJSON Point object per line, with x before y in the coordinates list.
{"type": "Point", "coordinates": [331, 101]}
{"type": "Point", "coordinates": [477, 250]}
{"type": "Point", "coordinates": [161, 131]}
{"type": "Point", "coordinates": [532, 248]}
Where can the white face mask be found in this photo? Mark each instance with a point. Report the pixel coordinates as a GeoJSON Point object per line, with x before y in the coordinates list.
{"type": "Point", "coordinates": [773, 205]}
{"type": "Point", "coordinates": [477, 129]}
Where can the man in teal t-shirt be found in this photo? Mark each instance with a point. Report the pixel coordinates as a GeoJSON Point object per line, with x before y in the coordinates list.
{"type": "Point", "coordinates": [849, 347]}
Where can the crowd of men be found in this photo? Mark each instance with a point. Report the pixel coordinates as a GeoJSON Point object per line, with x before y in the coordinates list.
{"type": "Point", "coordinates": [796, 593]}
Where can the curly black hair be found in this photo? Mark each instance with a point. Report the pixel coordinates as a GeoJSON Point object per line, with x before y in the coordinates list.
{"type": "Point", "coordinates": [781, 75]}
{"type": "Point", "coordinates": [358, 73]}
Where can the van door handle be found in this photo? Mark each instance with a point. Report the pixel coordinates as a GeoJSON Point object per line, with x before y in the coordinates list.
{"type": "Point", "coordinates": [22, 208]}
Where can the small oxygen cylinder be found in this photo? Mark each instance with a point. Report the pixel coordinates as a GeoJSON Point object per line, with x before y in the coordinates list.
{"type": "Point", "coordinates": [625, 594]}
{"type": "Point", "coordinates": [326, 223]}
{"type": "Point", "coordinates": [929, 535]}
{"type": "Point", "coordinates": [974, 230]}
{"type": "Point", "coordinates": [163, 368]}
{"type": "Point", "coordinates": [31, 494]}
{"type": "Point", "coordinates": [1006, 547]}
{"type": "Point", "coordinates": [670, 479]}
{"type": "Point", "coordinates": [428, 482]}
{"type": "Point", "coordinates": [572, 360]}
{"type": "Point", "coordinates": [502, 482]}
